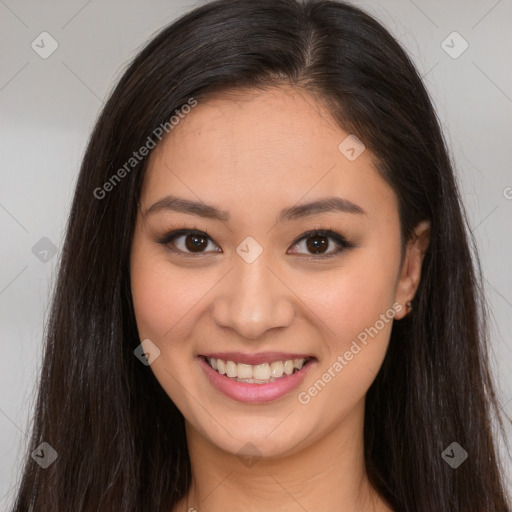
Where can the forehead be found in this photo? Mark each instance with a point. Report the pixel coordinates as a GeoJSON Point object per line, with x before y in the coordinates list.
{"type": "Point", "coordinates": [249, 148]}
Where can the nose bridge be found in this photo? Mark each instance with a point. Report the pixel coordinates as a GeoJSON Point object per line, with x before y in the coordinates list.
{"type": "Point", "coordinates": [253, 300]}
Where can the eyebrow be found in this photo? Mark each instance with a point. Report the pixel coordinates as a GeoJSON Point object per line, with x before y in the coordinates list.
{"type": "Point", "coordinates": [322, 205]}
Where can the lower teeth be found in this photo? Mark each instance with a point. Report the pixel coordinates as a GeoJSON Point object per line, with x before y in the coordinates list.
{"type": "Point", "coordinates": [256, 381]}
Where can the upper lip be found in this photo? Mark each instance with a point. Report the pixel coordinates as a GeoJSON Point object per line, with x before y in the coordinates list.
{"type": "Point", "coordinates": [259, 358]}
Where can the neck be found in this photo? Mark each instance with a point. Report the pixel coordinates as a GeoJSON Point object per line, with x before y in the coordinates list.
{"type": "Point", "coordinates": [327, 473]}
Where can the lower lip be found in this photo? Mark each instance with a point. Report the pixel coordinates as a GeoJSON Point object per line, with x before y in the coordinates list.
{"type": "Point", "coordinates": [255, 393]}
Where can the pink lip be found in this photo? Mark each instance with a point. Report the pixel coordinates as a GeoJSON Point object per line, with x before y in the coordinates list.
{"type": "Point", "coordinates": [253, 359]}
{"type": "Point", "coordinates": [254, 393]}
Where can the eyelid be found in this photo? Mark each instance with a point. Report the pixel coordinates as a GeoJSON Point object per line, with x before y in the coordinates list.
{"type": "Point", "coordinates": [181, 231]}
{"type": "Point", "coordinates": [339, 239]}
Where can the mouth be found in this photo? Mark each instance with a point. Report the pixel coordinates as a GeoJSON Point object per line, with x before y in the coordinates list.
{"type": "Point", "coordinates": [256, 378]}
{"type": "Point", "coordinates": [262, 373]}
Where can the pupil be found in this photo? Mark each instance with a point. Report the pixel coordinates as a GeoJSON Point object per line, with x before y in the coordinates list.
{"type": "Point", "coordinates": [316, 243]}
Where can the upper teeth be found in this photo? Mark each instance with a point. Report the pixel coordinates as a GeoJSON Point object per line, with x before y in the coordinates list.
{"type": "Point", "coordinates": [261, 371]}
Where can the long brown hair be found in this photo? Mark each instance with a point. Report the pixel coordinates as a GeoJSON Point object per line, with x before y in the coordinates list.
{"type": "Point", "coordinates": [120, 440]}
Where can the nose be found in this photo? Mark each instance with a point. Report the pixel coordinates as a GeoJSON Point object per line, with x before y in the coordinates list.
{"type": "Point", "coordinates": [253, 299]}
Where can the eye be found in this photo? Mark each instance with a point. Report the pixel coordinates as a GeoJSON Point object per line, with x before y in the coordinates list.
{"type": "Point", "coordinates": [185, 241]}
{"type": "Point", "coordinates": [192, 241]}
{"type": "Point", "coordinates": [318, 242]}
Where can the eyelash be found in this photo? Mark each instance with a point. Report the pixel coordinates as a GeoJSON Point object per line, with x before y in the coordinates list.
{"type": "Point", "coordinates": [342, 242]}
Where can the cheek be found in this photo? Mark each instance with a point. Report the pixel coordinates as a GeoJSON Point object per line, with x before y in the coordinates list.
{"type": "Point", "coordinates": [355, 306]}
{"type": "Point", "coordinates": [353, 297]}
{"type": "Point", "coordinates": [164, 300]}
{"type": "Point", "coordinates": [358, 324]}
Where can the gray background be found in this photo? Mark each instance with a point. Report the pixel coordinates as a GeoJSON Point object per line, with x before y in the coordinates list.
{"type": "Point", "coordinates": [49, 107]}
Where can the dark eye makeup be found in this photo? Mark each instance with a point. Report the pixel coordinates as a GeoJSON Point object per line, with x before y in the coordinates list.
{"type": "Point", "coordinates": [314, 240]}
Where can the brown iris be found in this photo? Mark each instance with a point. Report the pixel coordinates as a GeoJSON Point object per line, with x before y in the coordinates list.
{"type": "Point", "coordinates": [195, 241]}
{"type": "Point", "coordinates": [315, 243]}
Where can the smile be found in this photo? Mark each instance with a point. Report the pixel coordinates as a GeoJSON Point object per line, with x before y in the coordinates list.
{"type": "Point", "coordinates": [256, 374]}
{"type": "Point", "coordinates": [255, 383]}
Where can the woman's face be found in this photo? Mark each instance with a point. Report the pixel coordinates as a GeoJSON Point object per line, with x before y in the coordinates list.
{"type": "Point", "coordinates": [253, 291]}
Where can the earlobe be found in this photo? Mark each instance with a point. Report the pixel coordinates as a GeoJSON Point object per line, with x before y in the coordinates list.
{"type": "Point", "coordinates": [410, 274]}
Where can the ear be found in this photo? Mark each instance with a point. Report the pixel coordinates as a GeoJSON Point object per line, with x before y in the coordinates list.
{"type": "Point", "coordinates": [411, 267]}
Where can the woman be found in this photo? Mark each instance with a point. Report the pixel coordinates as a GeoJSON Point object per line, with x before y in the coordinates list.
{"type": "Point", "coordinates": [266, 297]}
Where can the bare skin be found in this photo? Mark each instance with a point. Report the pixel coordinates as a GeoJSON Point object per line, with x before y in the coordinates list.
{"type": "Point", "coordinates": [253, 153]}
